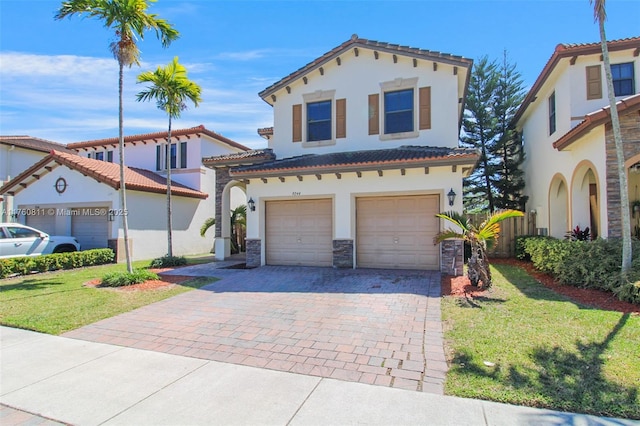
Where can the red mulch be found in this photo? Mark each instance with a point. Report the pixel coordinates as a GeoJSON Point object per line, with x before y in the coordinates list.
{"type": "Point", "coordinates": [166, 282]}
{"type": "Point", "coordinates": [461, 287]}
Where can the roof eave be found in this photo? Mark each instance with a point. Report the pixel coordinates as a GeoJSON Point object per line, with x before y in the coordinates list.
{"type": "Point", "coordinates": [360, 43]}
{"type": "Point", "coordinates": [470, 160]}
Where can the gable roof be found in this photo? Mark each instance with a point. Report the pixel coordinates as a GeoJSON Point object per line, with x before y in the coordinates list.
{"type": "Point", "coordinates": [102, 171]}
{"type": "Point", "coordinates": [572, 51]}
{"type": "Point", "coordinates": [358, 161]}
{"type": "Point", "coordinates": [356, 41]}
{"type": "Point", "coordinates": [157, 137]}
{"type": "Point", "coordinates": [33, 144]}
{"type": "Point", "coordinates": [595, 119]}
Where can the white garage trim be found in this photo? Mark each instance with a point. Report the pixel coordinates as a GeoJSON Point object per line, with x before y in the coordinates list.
{"type": "Point", "coordinates": [299, 232]}
{"type": "Point", "coordinates": [397, 232]}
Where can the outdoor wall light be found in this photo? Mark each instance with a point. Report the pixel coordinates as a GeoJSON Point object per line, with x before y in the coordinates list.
{"type": "Point", "coordinates": [451, 196]}
{"type": "Point", "coordinates": [111, 216]}
{"type": "Point", "coordinates": [251, 204]}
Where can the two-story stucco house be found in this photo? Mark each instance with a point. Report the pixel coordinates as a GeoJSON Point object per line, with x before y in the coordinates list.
{"type": "Point", "coordinates": [362, 155]}
{"type": "Point", "coordinates": [17, 153]}
{"type": "Point", "coordinates": [570, 167]}
{"type": "Point", "coordinates": [76, 191]}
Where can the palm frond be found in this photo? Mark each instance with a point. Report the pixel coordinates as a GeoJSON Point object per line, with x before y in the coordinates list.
{"type": "Point", "coordinates": [446, 235]}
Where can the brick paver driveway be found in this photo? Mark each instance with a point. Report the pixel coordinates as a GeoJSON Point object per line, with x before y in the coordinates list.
{"type": "Point", "coordinates": [372, 326]}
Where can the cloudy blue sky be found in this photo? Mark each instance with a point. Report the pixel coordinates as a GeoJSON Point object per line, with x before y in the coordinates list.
{"type": "Point", "coordinates": [58, 80]}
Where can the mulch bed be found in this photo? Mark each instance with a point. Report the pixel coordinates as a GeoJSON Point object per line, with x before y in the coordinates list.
{"type": "Point", "coordinates": [165, 282]}
{"type": "Point", "coordinates": [461, 287]}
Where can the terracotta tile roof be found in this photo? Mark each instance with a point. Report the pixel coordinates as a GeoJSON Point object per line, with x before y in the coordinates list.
{"type": "Point", "coordinates": [34, 144]}
{"type": "Point", "coordinates": [396, 158]}
{"type": "Point", "coordinates": [266, 132]}
{"type": "Point", "coordinates": [569, 51]}
{"type": "Point", "coordinates": [595, 119]}
{"type": "Point", "coordinates": [157, 137]}
{"type": "Point", "coordinates": [254, 156]}
{"type": "Point", "coordinates": [102, 171]}
{"type": "Point", "coordinates": [356, 41]}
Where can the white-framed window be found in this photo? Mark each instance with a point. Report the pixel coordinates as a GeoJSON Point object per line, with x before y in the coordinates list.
{"type": "Point", "coordinates": [552, 113]}
{"type": "Point", "coordinates": [177, 156]}
{"type": "Point", "coordinates": [399, 109]}
{"type": "Point", "coordinates": [623, 84]}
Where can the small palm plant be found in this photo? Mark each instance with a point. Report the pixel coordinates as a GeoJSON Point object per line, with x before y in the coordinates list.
{"type": "Point", "coordinates": [480, 238]}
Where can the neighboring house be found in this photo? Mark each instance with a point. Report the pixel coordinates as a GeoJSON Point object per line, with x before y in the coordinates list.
{"type": "Point", "coordinates": [362, 155]}
{"type": "Point", "coordinates": [77, 193]}
{"type": "Point", "coordinates": [570, 167]}
{"type": "Point", "coordinates": [17, 153]}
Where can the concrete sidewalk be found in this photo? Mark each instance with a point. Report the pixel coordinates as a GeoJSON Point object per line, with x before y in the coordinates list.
{"type": "Point", "coordinates": [47, 379]}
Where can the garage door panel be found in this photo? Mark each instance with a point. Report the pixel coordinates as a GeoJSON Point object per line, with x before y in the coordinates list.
{"type": "Point", "coordinates": [44, 223]}
{"type": "Point", "coordinates": [299, 232]}
{"type": "Point", "coordinates": [91, 230]}
{"type": "Point", "coordinates": [397, 232]}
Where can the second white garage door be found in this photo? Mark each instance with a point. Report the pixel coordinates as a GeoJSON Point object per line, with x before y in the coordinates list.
{"type": "Point", "coordinates": [397, 232]}
{"type": "Point", "coordinates": [299, 232]}
{"type": "Point", "coordinates": [90, 229]}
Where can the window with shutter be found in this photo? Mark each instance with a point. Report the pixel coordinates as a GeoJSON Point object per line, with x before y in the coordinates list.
{"type": "Point", "coordinates": [594, 82]}
{"type": "Point", "coordinates": [183, 155]}
{"type": "Point", "coordinates": [425, 108]}
{"type": "Point", "coordinates": [297, 123]}
{"type": "Point", "coordinates": [552, 113]}
{"type": "Point", "coordinates": [374, 114]}
{"type": "Point", "coordinates": [341, 118]}
{"type": "Point", "coordinates": [159, 157]}
{"type": "Point", "coordinates": [110, 156]}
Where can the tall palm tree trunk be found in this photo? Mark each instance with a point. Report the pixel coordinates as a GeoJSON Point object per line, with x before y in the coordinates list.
{"type": "Point", "coordinates": [123, 198]}
{"type": "Point", "coordinates": [622, 173]}
{"type": "Point", "coordinates": [169, 220]}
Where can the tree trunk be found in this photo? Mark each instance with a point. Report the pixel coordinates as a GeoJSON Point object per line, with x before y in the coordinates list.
{"type": "Point", "coordinates": [123, 197]}
{"type": "Point", "coordinates": [169, 220]}
{"type": "Point", "coordinates": [622, 173]}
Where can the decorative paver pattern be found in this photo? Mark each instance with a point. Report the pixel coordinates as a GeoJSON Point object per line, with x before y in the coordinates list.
{"type": "Point", "coordinates": [372, 326]}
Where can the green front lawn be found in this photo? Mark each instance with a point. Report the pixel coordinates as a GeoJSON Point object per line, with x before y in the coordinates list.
{"type": "Point", "coordinates": [56, 302]}
{"type": "Point", "coordinates": [524, 344]}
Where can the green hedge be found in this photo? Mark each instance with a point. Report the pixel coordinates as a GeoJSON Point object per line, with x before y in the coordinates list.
{"type": "Point", "coordinates": [594, 264]}
{"type": "Point", "coordinates": [53, 262]}
{"type": "Point", "coordinates": [120, 279]}
{"type": "Point", "coordinates": [167, 261]}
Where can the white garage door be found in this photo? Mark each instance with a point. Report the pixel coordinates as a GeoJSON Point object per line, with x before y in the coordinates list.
{"type": "Point", "coordinates": [90, 229]}
{"type": "Point", "coordinates": [397, 232]}
{"type": "Point", "coordinates": [42, 222]}
{"type": "Point", "coordinates": [299, 232]}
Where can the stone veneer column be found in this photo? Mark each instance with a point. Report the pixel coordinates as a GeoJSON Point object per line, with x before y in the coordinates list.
{"type": "Point", "coordinates": [630, 130]}
{"type": "Point", "coordinates": [254, 252]}
{"type": "Point", "coordinates": [343, 253]}
{"type": "Point", "coordinates": [222, 179]}
{"type": "Point", "coordinates": [452, 250]}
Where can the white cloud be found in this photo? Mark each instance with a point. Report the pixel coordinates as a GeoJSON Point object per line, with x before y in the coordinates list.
{"type": "Point", "coordinates": [69, 98]}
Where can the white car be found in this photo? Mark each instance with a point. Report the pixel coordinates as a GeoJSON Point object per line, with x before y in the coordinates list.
{"type": "Point", "coordinates": [19, 240]}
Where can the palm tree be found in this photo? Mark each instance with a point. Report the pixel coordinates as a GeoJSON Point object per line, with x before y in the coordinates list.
{"type": "Point", "coordinates": [238, 224]}
{"type": "Point", "coordinates": [170, 89]}
{"type": "Point", "coordinates": [600, 15]}
{"type": "Point", "coordinates": [129, 19]}
{"type": "Point", "coordinates": [479, 237]}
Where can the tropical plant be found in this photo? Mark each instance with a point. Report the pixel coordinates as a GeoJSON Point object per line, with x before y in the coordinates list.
{"type": "Point", "coordinates": [579, 234]}
{"type": "Point", "coordinates": [170, 88]}
{"type": "Point", "coordinates": [480, 238]}
{"type": "Point", "coordinates": [600, 15]}
{"type": "Point", "coordinates": [129, 19]}
{"type": "Point", "coordinates": [238, 224]}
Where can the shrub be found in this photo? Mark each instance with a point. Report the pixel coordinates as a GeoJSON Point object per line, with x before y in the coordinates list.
{"type": "Point", "coordinates": [547, 253]}
{"type": "Point", "coordinates": [520, 251]}
{"type": "Point", "coordinates": [120, 279]}
{"type": "Point", "coordinates": [583, 264]}
{"type": "Point", "coordinates": [591, 265]}
{"type": "Point", "coordinates": [53, 262]}
{"type": "Point", "coordinates": [168, 262]}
